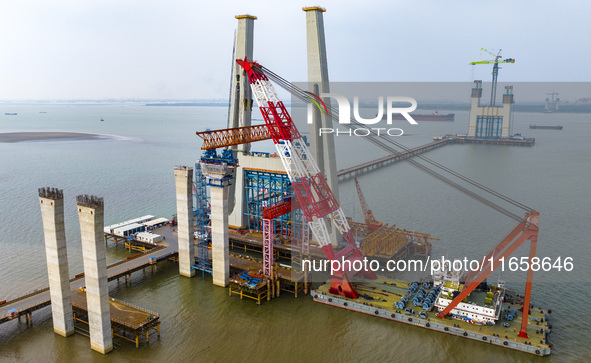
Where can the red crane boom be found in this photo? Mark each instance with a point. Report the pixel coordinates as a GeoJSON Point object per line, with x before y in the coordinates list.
{"type": "Point", "coordinates": [370, 220]}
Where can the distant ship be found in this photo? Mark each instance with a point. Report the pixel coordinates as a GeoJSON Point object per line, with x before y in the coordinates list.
{"type": "Point", "coordinates": [102, 119]}
{"type": "Point", "coordinates": [556, 127]}
{"type": "Point", "coordinates": [11, 113]}
{"type": "Point", "coordinates": [435, 116]}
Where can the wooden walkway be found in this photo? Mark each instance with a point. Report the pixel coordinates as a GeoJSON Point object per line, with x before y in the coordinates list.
{"type": "Point", "coordinates": [353, 171]}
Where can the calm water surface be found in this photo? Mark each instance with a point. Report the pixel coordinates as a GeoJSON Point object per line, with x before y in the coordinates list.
{"type": "Point", "coordinates": [133, 171]}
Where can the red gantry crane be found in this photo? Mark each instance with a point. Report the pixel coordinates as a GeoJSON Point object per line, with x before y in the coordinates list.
{"type": "Point", "coordinates": [309, 185]}
{"type": "Point", "coordinates": [317, 202]}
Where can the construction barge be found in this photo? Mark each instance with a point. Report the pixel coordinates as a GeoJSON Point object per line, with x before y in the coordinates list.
{"type": "Point", "coordinates": [546, 127]}
{"type": "Point", "coordinates": [393, 300]}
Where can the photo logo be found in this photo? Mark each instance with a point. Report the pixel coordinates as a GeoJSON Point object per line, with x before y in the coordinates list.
{"type": "Point", "coordinates": [344, 107]}
{"type": "Point", "coordinates": [314, 99]}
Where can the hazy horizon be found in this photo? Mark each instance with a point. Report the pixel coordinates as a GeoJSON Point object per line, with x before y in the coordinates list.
{"type": "Point", "coordinates": [182, 49]}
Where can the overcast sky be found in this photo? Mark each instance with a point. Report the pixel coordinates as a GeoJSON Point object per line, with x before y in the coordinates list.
{"type": "Point", "coordinates": [181, 49]}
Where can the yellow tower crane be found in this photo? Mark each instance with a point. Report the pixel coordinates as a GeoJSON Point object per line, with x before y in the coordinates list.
{"type": "Point", "coordinates": [495, 71]}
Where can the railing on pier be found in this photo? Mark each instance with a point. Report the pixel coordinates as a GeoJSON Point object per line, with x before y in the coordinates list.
{"type": "Point", "coordinates": [353, 171]}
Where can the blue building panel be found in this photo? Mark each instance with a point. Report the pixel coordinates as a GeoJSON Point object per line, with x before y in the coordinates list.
{"type": "Point", "coordinates": [264, 189]}
{"type": "Point", "coordinates": [489, 127]}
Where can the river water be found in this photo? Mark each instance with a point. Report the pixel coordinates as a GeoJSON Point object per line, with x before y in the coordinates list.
{"type": "Point", "coordinates": [133, 171]}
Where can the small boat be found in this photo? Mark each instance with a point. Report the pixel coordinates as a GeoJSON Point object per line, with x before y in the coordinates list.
{"type": "Point", "coordinates": [556, 127]}
{"type": "Point", "coordinates": [102, 119]}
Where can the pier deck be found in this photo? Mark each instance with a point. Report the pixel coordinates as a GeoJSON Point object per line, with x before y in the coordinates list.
{"type": "Point", "coordinates": [363, 168]}
{"type": "Point", "coordinates": [167, 249]}
{"type": "Point", "coordinates": [26, 304]}
{"type": "Point", "coordinates": [127, 321]}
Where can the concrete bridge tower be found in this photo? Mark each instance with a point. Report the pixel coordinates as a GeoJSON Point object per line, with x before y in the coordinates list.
{"type": "Point", "coordinates": [91, 213]}
{"type": "Point", "coordinates": [490, 122]}
{"type": "Point", "coordinates": [240, 114]}
{"type": "Point", "coordinates": [52, 213]}
{"type": "Point", "coordinates": [321, 147]}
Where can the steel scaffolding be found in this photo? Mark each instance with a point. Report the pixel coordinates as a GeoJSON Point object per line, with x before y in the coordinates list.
{"type": "Point", "coordinates": [264, 189]}
{"type": "Point", "coordinates": [201, 212]}
{"type": "Point", "coordinates": [490, 127]}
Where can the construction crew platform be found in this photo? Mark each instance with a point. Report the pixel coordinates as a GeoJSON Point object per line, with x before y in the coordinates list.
{"type": "Point", "coordinates": [386, 242]}
{"type": "Point", "coordinates": [127, 321]}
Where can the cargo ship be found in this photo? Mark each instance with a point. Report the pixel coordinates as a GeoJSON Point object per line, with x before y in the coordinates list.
{"type": "Point", "coordinates": [555, 127]}
{"type": "Point", "coordinates": [490, 314]}
{"type": "Point", "coordinates": [10, 113]}
{"type": "Point", "coordinates": [435, 116]}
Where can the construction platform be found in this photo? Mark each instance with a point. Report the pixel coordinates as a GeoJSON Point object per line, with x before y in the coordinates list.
{"type": "Point", "coordinates": [384, 243]}
{"type": "Point", "coordinates": [131, 244]}
{"type": "Point", "coordinates": [390, 243]}
{"type": "Point", "coordinates": [378, 297]}
{"type": "Point", "coordinates": [252, 286]}
{"type": "Point", "coordinates": [284, 279]}
{"type": "Point", "coordinates": [127, 321]}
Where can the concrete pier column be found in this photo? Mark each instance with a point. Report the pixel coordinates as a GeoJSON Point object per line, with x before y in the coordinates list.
{"type": "Point", "coordinates": [476, 109]}
{"type": "Point", "coordinates": [183, 176]}
{"type": "Point", "coordinates": [506, 111]}
{"type": "Point", "coordinates": [52, 213]}
{"type": "Point", "coordinates": [322, 148]}
{"type": "Point", "coordinates": [91, 215]}
{"type": "Point", "coordinates": [220, 239]}
{"type": "Point", "coordinates": [219, 177]}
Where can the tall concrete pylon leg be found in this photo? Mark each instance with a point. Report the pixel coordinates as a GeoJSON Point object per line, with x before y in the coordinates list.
{"type": "Point", "coordinates": [241, 112]}
{"type": "Point", "coordinates": [322, 147]}
{"type": "Point", "coordinates": [183, 177]}
{"type": "Point", "coordinates": [218, 179]}
{"type": "Point", "coordinates": [91, 215]}
{"type": "Point", "coordinates": [220, 238]}
{"type": "Point", "coordinates": [242, 102]}
{"type": "Point", "coordinates": [52, 213]}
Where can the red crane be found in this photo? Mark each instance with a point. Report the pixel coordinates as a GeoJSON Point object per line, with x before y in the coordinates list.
{"type": "Point", "coordinates": [309, 185]}
{"type": "Point", "coordinates": [318, 202]}
{"type": "Point", "coordinates": [370, 220]}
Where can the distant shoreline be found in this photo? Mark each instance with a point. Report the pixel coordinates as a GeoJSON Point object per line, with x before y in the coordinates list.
{"type": "Point", "coordinates": [12, 137]}
{"type": "Point", "coordinates": [209, 104]}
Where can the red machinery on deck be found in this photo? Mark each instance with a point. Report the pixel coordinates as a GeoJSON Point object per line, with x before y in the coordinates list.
{"type": "Point", "coordinates": [312, 192]}
{"type": "Point", "coordinates": [527, 230]}
{"type": "Point", "coordinates": [317, 201]}
{"type": "Point", "coordinates": [370, 220]}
